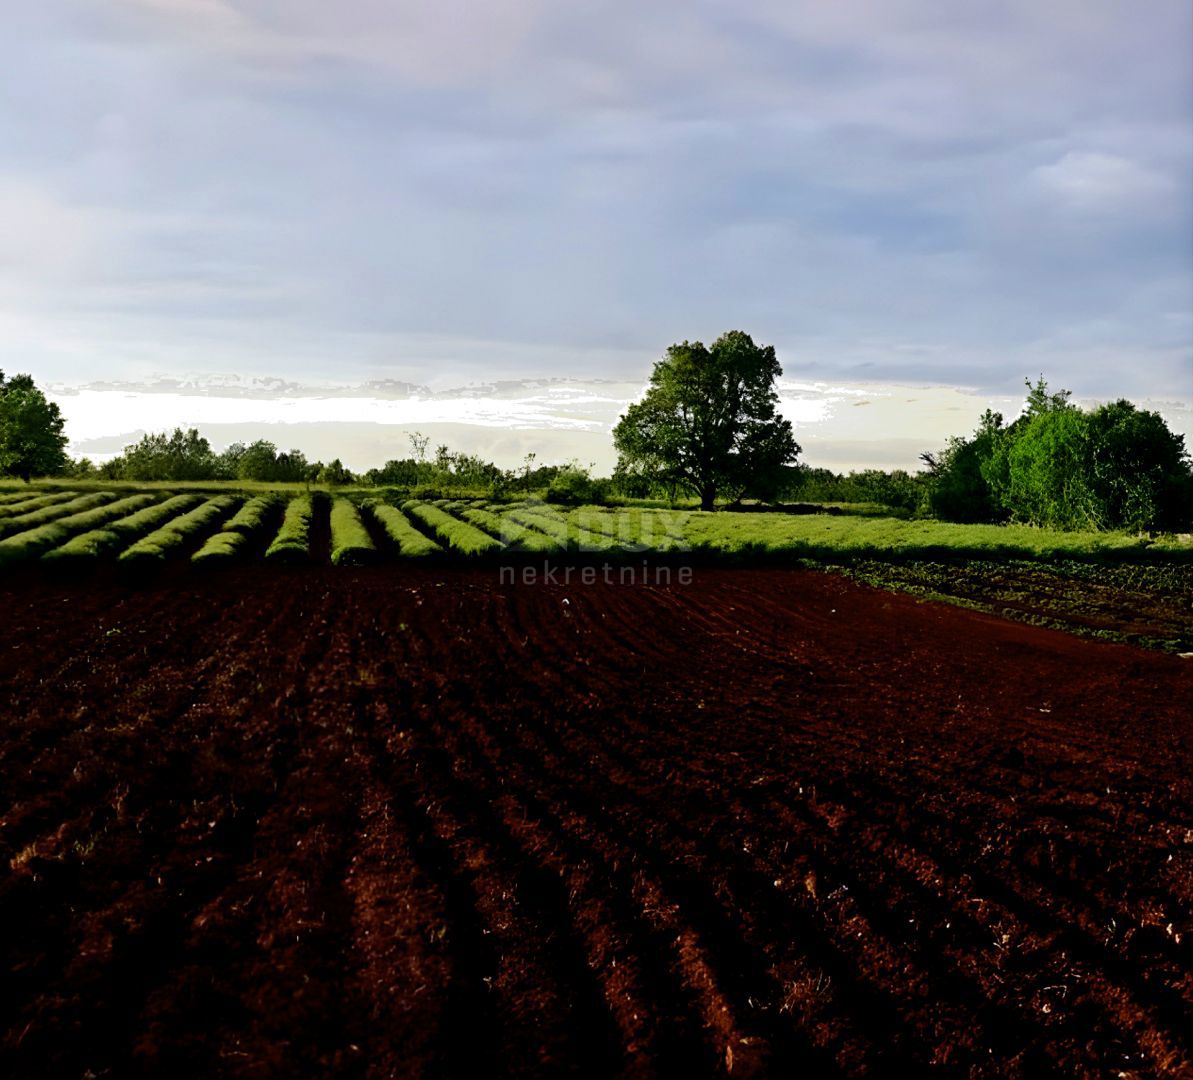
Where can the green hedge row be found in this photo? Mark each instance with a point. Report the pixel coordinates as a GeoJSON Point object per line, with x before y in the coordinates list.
{"type": "Point", "coordinates": [112, 537]}
{"type": "Point", "coordinates": [350, 541]}
{"type": "Point", "coordinates": [21, 522]}
{"type": "Point", "coordinates": [23, 502]}
{"type": "Point", "coordinates": [458, 535]}
{"type": "Point", "coordinates": [160, 544]}
{"type": "Point", "coordinates": [252, 518]}
{"type": "Point", "coordinates": [223, 546]}
{"type": "Point", "coordinates": [293, 541]}
{"type": "Point", "coordinates": [411, 543]}
{"type": "Point", "coordinates": [33, 543]}
{"type": "Point", "coordinates": [510, 532]}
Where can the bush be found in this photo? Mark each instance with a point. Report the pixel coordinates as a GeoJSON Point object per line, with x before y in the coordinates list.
{"type": "Point", "coordinates": [573, 486]}
{"type": "Point", "coordinates": [253, 517]}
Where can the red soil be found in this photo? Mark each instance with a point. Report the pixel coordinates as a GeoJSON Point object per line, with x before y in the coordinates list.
{"type": "Point", "coordinates": [392, 822]}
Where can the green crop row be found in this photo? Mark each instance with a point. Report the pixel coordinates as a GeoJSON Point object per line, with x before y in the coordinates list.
{"type": "Point", "coordinates": [510, 533]}
{"type": "Point", "coordinates": [411, 543]}
{"type": "Point", "coordinates": [234, 538]}
{"type": "Point", "coordinates": [32, 543]}
{"type": "Point", "coordinates": [350, 541]}
{"type": "Point", "coordinates": [293, 541]}
{"type": "Point", "coordinates": [160, 544]}
{"type": "Point", "coordinates": [23, 502]}
{"type": "Point", "coordinates": [96, 543]}
{"type": "Point", "coordinates": [221, 547]}
{"type": "Point", "coordinates": [460, 535]}
{"type": "Point", "coordinates": [818, 536]}
{"type": "Point", "coordinates": [563, 531]}
{"type": "Point", "coordinates": [253, 517]}
{"type": "Point", "coordinates": [32, 520]}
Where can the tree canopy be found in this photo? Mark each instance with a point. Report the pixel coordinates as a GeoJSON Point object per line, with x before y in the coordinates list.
{"type": "Point", "coordinates": [31, 439]}
{"type": "Point", "coordinates": [1117, 467]}
{"type": "Point", "coordinates": [708, 422]}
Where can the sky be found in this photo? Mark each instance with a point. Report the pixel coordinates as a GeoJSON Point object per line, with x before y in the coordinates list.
{"type": "Point", "coordinates": [894, 193]}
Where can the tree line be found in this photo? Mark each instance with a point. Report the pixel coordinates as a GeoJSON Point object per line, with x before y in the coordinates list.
{"type": "Point", "coordinates": [708, 426]}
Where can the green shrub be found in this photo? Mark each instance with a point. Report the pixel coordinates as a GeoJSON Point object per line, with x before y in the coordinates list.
{"type": "Point", "coordinates": [160, 544]}
{"type": "Point", "coordinates": [574, 487]}
{"type": "Point", "coordinates": [411, 543]}
{"type": "Point", "coordinates": [34, 542]}
{"type": "Point", "coordinates": [293, 541]}
{"type": "Point", "coordinates": [459, 535]}
{"type": "Point", "coordinates": [350, 541]}
{"type": "Point", "coordinates": [116, 534]}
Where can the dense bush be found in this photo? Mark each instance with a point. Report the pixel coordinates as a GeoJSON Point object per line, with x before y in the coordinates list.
{"type": "Point", "coordinates": [253, 517]}
{"type": "Point", "coordinates": [574, 486]}
{"type": "Point", "coordinates": [1117, 467]}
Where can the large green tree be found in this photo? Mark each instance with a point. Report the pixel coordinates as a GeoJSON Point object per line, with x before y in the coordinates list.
{"type": "Point", "coordinates": [708, 421]}
{"type": "Point", "coordinates": [1117, 467]}
{"type": "Point", "coordinates": [31, 439]}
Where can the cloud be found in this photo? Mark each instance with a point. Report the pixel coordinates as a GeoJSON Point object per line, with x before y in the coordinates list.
{"type": "Point", "coordinates": [1093, 181]}
{"type": "Point", "coordinates": [954, 193]}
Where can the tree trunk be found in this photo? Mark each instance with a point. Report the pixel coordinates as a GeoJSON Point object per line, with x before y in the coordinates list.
{"type": "Point", "coordinates": [708, 498]}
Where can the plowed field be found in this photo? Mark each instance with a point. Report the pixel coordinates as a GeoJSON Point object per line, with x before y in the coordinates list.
{"type": "Point", "coordinates": [390, 821]}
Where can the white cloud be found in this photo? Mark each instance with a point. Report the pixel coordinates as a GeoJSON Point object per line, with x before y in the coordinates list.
{"type": "Point", "coordinates": [1091, 180]}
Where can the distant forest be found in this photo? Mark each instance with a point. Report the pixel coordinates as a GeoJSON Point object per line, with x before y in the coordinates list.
{"type": "Point", "coordinates": [1056, 465]}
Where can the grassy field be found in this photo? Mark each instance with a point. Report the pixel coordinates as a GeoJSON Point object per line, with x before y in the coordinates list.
{"type": "Point", "coordinates": [38, 520]}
